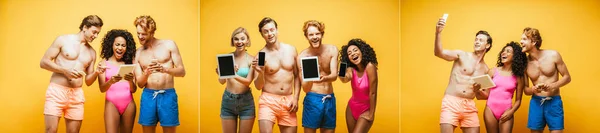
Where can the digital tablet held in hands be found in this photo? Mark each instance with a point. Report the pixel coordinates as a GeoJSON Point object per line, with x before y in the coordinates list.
{"type": "Point", "coordinates": [310, 68]}
{"type": "Point", "coordinates": [226, 66]}
{"type": "Point", "coordinates": [485, 81]}
{"type": "Point", "coordinates": [125, 69]}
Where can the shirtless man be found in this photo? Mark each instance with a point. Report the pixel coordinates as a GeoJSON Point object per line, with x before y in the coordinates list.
{"type": "Point", "coordinates": [543, 68]}
{"type": "Point", "coordinates": [319, 103]}
{"type": "Point", "coordinates": [278, 80]}
{"type": "Point", "coordinates": [71, 59]}
{"type": "Point", "coordinates": [159, 61]}
{"type": "Point", "coordinates": [458, 107]}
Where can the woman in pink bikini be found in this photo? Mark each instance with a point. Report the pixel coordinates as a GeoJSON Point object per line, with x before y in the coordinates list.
{"type": "Point", "coordinates": [362, 72]}
{"type": "Point", "coordinates": [118, 48]}
{"type": "Point", "coordinates": [509, 78]}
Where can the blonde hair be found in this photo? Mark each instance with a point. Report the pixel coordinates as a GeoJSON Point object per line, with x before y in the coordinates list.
{"type": "Point", "coordinates": [146, 22]}
{"type": "Point", "coordinates": [534, 35]}
{"type": "Point", "coordinates": [238, 31]}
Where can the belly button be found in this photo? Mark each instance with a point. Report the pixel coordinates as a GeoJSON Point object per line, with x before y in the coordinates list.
{"type": "Point", "coordinates": [464, 91]}
{"type": "Point", "coordinates": [281, 88]}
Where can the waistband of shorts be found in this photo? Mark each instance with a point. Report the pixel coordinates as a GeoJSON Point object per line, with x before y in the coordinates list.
{"type": "Point", "coordinates": [543, 97]}
{"type": "Point", "coordinates": [456, 97]}
{"type": "Point", "coordinates": [237, 96]}
{"type": "Point", "coordinates": [62, 87]}
{"type": "Point", "coordinates": [170, 90]}
{"type": "Point", "coordinates": [318, 95]}
{"type": "Point", "coordinates": [267, 94]}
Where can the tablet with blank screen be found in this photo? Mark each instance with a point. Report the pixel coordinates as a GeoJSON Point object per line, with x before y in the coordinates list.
{"type": "Point", "coordinates": [125, 69]}
{"type": "Point", "coordinates": [485, 81]}
{"type": "Point", "coordinates": [310, 68]}
{"type": "Point", "coordinates": [226, 66]}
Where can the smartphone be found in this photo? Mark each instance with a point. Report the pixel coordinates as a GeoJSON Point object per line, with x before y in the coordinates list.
{"type": "Point", "coordinates": [342, 70]}
{"type": "Point", "coordinates": [261, 58]}
{"type": "Point", "coordinates": [445, 17]}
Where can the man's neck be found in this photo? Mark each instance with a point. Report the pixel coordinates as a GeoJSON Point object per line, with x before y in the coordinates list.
{"type": "Point", "coordinates": [479, 55]}
{"type": "Point", "coordinates": [273, 46]}
{"type": "Point", "coordinates": [317, 50]}
{"type": "Point", "coordinates": [151, 43]}
{"type": "Point", "coordinates": [81, 38]}
{"type": "Point", "coordinates": [534, 54]}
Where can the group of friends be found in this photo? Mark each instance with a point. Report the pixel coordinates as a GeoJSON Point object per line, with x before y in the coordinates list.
{"type": "Point", "coordinates": [280, 81]}
{"type": "Point", "coordinates": [71, 59]}
{"type": "Point", "coordinates": [518, 62]}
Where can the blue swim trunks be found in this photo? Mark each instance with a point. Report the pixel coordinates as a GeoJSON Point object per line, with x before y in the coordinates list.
{"type": "Point", "coordinates": [546, 110]}
{"type": "Point", "coordinates": [319, 111]}
{"type": "Point", "coordinates": [159, 106]}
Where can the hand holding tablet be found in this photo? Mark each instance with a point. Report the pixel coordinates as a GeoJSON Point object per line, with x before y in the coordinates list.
{"type": "Point", "coordinates": [226, 67]}
{"type": "Point", "coordinates": [125, 69]}
{"type": "Point", "coordinates": [310, 68]}
{"type": "Point", "coordinates": [485, 81]}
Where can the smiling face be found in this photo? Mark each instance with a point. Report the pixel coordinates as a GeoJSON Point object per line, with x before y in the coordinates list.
{"type": "Point", "coordinates": [480, 43]}
{"type": "Point", "coordinates": [354, 55]}
{"type": "Point", "coordinates": [269, 33]}
{"type": "Point", "coordinates": [91, 33]}
{"type": "Point", "coordinates": [506, 56]}
{"type": "Point", "coordinates": [240, 41]}
{"type": "Point", "coordinates": [526, 43]}
{"type": "Point", "coordinates": [119, 47]}
{"type": "Point", "coordinates": [314, 36]}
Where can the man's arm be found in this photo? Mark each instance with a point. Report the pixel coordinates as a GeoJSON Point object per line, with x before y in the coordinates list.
{"type": "Point", "coordinates": [483, 94]}
{"type": "Point", "coordinates": [564, 72]}
{"type": "Point", "coordinates": [448, 55]}
{"type": "Point", "coordinates": [333, 65]}
{"type": "Point", "coordinates": [91, 73]}
{"type": "Point", "coordinates": [259, 82]}
{"type": "Point", "coordinates": [306, 85]}
{"type": "Point", "coordinates": [50, 55]}
{"type": "Point", "coordinates": [141, 75]}
{"type": "Point", "coordinates": [178, 70]}
{"type": "Point", "coordinates": [296, 81]}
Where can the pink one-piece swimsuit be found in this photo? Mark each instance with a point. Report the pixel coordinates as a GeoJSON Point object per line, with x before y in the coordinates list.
{"type": "Point", "coordinates": [119, 93]}
{"type": "Point", "coordinates": [359, 102]}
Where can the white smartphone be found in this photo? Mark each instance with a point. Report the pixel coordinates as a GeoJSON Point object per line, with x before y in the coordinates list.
{"type": "Point", "coordinates": [445, 17]}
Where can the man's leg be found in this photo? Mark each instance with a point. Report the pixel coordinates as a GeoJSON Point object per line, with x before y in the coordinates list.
{"type": "Point", "coordinates": [169, 129]}
{"type": "Point", "coordinates": [446, 128]}
{"type": "Point", "coordinates": [265, 126]}
{"type": "Point", "coordinates": [51, 123]}
{"type": "Point", "coordinates": [73, 126]}
{"type": "Point", "coordinates": [470, 129]}
{"type": "Point", "coordinates": [149, 129]}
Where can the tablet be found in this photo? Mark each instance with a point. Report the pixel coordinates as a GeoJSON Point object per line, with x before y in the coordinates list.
{"type": "Point", "coordinates": [226, 66]}
{"type": "Point", "coordinates": [485, 81]}
{"type": "Point", "coordinates": [125, 69]}
{"type": "Point", "coordinates": [342, 70]}
{"type": "Point", "coordinates": [310, 68]}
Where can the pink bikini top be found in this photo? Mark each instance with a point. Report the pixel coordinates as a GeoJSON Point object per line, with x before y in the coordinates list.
{"type": "Point", "coordinates": [360, 86]}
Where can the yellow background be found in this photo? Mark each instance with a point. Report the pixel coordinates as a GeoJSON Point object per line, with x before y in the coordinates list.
{"type": "Point", "coordinates": [374, 21]}
{"type": "Point", "coordinates": [27, 28]}
{"type": "Point", "coordinates": [570, 27]}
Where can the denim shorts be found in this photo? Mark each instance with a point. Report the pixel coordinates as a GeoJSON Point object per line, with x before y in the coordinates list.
{"type": "Point", "coordinates": [237, 105]}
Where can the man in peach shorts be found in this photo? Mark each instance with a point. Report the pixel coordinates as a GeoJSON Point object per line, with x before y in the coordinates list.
{"type": "Point", "coordinates": [71, 59]}
{"type": "Point", "coordinates": [458, 107]}
{"type": "Point", "coordinates": [278, 80]}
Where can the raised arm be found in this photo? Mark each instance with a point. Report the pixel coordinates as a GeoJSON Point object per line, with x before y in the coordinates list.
{"type": "Point", "coordinates": [448, 55]}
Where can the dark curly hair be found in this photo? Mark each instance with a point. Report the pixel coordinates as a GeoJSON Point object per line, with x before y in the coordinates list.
{"type": "Point", "coordinates": [519, 62]}
{"type": "Point", "coordinates": [368, 54]}
{"type": "Point", "coordinates": [109, 39]}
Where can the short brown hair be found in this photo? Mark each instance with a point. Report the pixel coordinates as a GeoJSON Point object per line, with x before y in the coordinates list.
{"type": "Point", "coordinates": [534, 35]}
{"type": "Point", "coordinates": [146, 22]}
{"type": "Point", "coordinates": [315, 23]}
{"type": "Point", "coordinates": [238, 31]}
{"type": "Point", "coordinates": [265, 21]}
{"type": "Point", "coordinates": [89, 21]}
